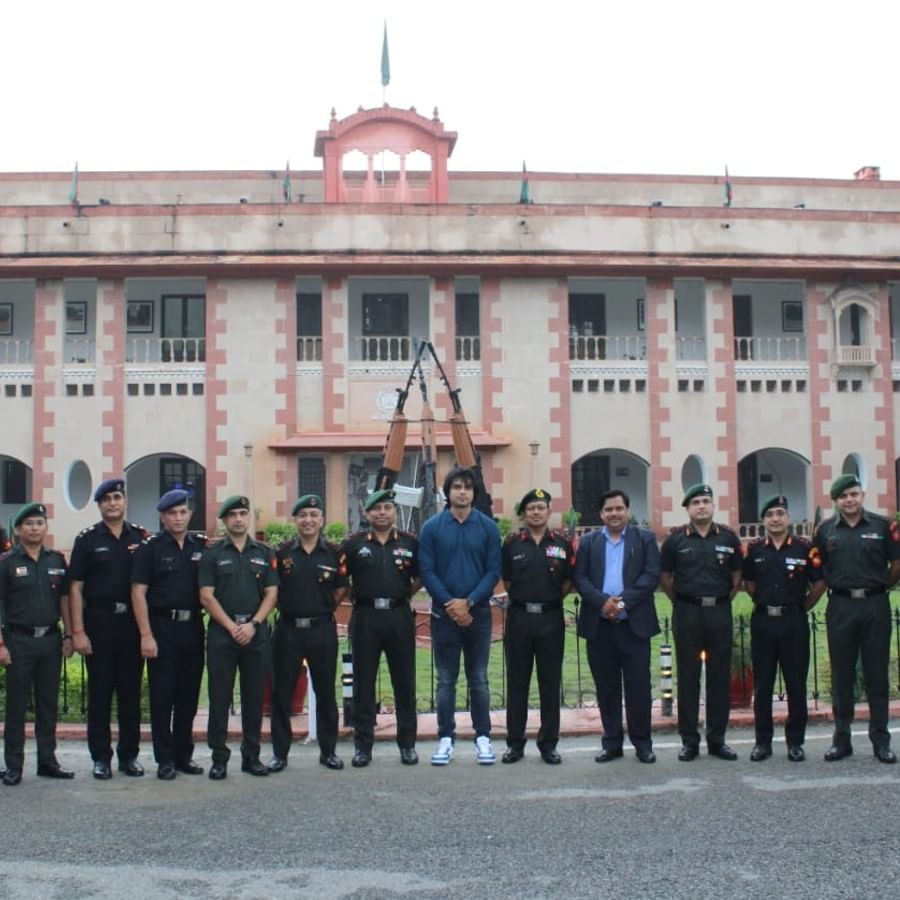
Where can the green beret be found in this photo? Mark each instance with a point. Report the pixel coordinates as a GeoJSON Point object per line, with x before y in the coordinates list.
{"type": "Point", "coordinates": [236, 501]}
{"type": "Point", "coordinates": [772, 502]}
{"type": "Point", "coordinates": [843, 483]}
{"type": "Point", "coordinates": [28, 510]}
{"type": "Point", "coordinates": [307, 501]}
{"type": "Point", "coordinates": [378, 497]}
{"type": "Point", "coordinates": [696, 490]}
{"type": "Point", "coordinates": [530, 497]}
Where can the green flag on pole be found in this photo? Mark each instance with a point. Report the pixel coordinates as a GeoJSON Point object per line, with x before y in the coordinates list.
{"type": "Point", "coordinates": [385, 60]}
{"type": "Point", "coordinates": [286, 184]}
{"type": "Point", "coordinates": [73, 187]}
{"type": "Point", "coordinates": [524, 189]}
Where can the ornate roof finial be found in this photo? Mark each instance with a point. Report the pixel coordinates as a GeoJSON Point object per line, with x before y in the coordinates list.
{"type": "Point", "coordinates": [435, 115]}
{"type": "Point", "coordinates": [333, 114]}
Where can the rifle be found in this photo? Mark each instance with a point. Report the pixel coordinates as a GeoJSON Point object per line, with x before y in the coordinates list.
{"type": "Point", "coordinates": [395, 445]}
{"type": "Point", "coordinates": [429, 454]}
{"type": "Point", "coordinates": [466, 455]}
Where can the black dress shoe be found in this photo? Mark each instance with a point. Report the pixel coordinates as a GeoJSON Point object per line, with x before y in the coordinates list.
{"type": "Point", "coordinates": [722, 751]}
{"type": "Point", "coordinates": [12, 777]}
{"type": "Point", "coordinates": [331, 761]}
{"type": "Point", "coordinates": [132, 768]}
{"type": "Point", "coordinates": [254, 767]}
{"type": "Point", "coordinates": [277, 764]}
{"type": "Point", "coordinates": [408, 756]}
{"type": "Point", "coordinates": [512, 755]}
{"type": "Point", "coordinates": [551, 757]}
{"type": "Point", "coordinates": [605, 756]}
{"type": "Point", "coordinates": [836, 752]}
{"type": "Point", "coordinates": [166, 772]}
{"type": "Point", "coordinates": [688, 753]}
{"type": "Point", "coordinates": [795, 753]}
{"type": "Point", "coordinates": [102, 770]}
{"type": "Point", "coordinates": [218, 771]}
{"type": "Point", "coordinates": [760, 752]}
{"type": "Point", "coordinates": [54, 770]}
{"type": "Point", "coordinates": [190, 768]}
{"type": "Point", "coordinates": [885, 754]}
{"type": "Point", "coordinates": [361, 758]}
{"type": "Point", "coordinates": [645, 756]}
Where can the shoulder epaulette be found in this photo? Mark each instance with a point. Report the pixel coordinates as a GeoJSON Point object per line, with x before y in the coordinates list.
{"type": "Point", "coordinates": [87, 530]}
{"type": "Point", "coordinates": [411, 534]}
{"type": "Point", "coordinates": [560, 534]}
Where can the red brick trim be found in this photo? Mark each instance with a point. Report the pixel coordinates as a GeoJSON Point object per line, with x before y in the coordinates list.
{"type": "Point", "coordinates": [491, 383]}
{"type": "Point", "coordinates": [216, 389]}
{"type": "Point", "coordinates": [560, 395]}
{"type": "Point", "coordinates": [112, 298]}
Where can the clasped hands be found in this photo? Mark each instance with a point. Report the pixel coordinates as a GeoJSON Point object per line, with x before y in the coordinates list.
{"type": "Point", "coordinates": [458, 610]}
{"type": "Point", "coordinates": [611, 608]}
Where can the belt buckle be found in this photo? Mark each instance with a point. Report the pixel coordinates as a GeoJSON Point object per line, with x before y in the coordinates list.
{"type": "Point", "coordinates": [857, 593]}
{"type": "Point", "coordinates": [119, 608]}
{"type": "Point", "coordinates": [382, 603]}
{"type": "Point", "coordinates": [41, 630]}
{"type": "Point", "coordinates": [775, 611]}
{"type": "Point", "coordinates": [534, 607]}
{"type": "Point", "coordinates": [707, 601]}
{"type": "Point", "coordinates": [302, 623]}
{"type": "Point", "coordinates": [181, 615]}
{"type": "Point", "coordinates": [242, 619]}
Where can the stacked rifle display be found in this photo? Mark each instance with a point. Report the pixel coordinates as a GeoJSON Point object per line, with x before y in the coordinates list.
{"type": "Point", "coordinates": [463, 447]}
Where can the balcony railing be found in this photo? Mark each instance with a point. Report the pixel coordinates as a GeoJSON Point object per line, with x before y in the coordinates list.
{"type": "Point", "coordinates": [165, 350]}
{"type": "Point", "coordinates": [78, 351]}
{"type": "Point", "coordinates": [384, 349]}
{"type": "Point", "coordinates": [770, 349]}
{"type": "Point", "coordinates": [855, 356]}
{"type": "Point", "coordinates": [309, 349]}
{"type": "Point", "coordinates": [749, 531]}
{"type": "Point", "coordinates": [15, 352]}
{"type": "Point", "coordinates": [690, 349]}
{"type": "Point", "coordinates": [608, 346]}
{"type": "Point", "coordinates": [468, 348]}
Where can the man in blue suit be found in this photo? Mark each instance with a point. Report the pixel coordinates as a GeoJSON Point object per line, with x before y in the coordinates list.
{"type": "Point", "coordinates": [616, 572]}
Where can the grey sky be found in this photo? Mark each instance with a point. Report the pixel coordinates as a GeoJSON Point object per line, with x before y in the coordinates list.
{"type": "Point", "coordinates": [793, 88]}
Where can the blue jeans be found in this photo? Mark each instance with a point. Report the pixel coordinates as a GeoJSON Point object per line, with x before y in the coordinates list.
{"type": "Point", "coordinates": [448, 640]}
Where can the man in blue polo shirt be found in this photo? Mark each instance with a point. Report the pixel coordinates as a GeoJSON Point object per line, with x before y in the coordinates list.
{"type": "Point", "coordinates": [459, 561]}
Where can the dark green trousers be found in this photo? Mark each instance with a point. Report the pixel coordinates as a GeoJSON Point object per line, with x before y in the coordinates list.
{"type": "Point", "coordinates": [224, 659]}
{"type": "Point", "coordinates": [859, 628]}
{"type": "Point", "coordinates": [36, 664]}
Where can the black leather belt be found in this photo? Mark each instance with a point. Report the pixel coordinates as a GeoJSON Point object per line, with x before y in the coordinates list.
{"type": "Point", "coordinates": [33, 630]}
{"type": "Point", "coordinates": [535, 608]}
{"type": "Point", "coordinates": [702, 599]}
{"type": "Point", "coordinates": [176, 615]}
{"type": "Point", "coordinates": [306, 621]}
{"type": "Point", "coordinates": [859, 593]}
{"type": "Point", "coordinates": [380, 602]}
{"type": "Point", "coordinates": [777, 611]}
{"type": "Point", "coordinates": [117, 609]}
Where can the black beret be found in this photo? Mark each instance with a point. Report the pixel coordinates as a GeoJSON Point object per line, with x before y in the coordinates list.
{"type": "Point", "coordinates": [530, 497]}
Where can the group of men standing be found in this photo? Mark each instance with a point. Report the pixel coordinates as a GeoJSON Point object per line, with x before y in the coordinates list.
{"type": "Point", "coordinates": [128, 597]}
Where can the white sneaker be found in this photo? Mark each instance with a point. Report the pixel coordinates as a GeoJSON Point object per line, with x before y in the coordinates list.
{"type": "Point", "coordinates": [484, 752]}
{"type": "Point", "coordinates": [443, 752]}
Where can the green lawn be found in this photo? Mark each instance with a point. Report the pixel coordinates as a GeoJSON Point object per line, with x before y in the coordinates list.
{"type": "Point", "coordinates": [578, 687]}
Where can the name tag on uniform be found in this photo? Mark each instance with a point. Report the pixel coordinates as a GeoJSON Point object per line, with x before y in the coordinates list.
{"type": "Point", "coordinates": [257, 561]}
{"type": "Point", "coordinates": [518, 556]}
{"type": "Point", "coordinates": [722, 549]}
{"type": "Point", "coordinates": [791, 562]}
{"type": "Point", "coordinates": [56, 571]}
{"type": "Point", "coordinates": [223, 562]}
{"type": "Point", "coordinates": [400, 551]}
{"type": "Point", "coordinates": [554, 552]}
{"type": "Point", "coordinates": [872, 536]}
{"type": "Point", "coordinates": [21, 570]}
{"type": "Point", "coordinates": [101, 549]}
{"type": "Point", "coordinates": [195, 557]}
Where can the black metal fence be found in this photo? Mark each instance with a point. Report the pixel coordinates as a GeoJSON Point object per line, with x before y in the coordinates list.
{"type": "Point", "coordinates": [577, 684]}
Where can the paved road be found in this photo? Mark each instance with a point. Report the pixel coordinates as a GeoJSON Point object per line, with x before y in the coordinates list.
{"type": "Point", "coordinates": [705, 829]}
